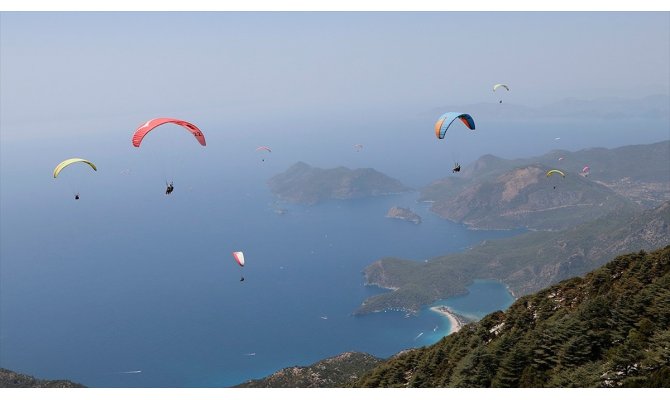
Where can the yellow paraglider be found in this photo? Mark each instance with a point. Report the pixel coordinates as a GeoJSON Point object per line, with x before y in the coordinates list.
{"type": "Point", "coordinates": [69, 161]}
{"type": "Point", "coordinates": [555, 171]}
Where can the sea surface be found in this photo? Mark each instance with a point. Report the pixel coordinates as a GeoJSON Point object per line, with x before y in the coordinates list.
{"type": "Point", "coordinates": [128, 287]}
{"type": "Point", "coordinates": [132, 288]}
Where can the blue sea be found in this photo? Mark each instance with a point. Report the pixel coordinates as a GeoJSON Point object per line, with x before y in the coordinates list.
{"type": "Point", "coordinates": [128, 287]}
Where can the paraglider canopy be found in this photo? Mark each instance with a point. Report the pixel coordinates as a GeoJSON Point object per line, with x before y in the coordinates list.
{"type": "Point", "coordinates": [499, 85]}
{"type": "Point", "coordinates": [239, 257]}
{"type": "Point", "coordinates": [358, 147]}
{"type": "Point", "coordinates": [71, 161]}
{"type": "Point", "coordinates": [446, 119]}
{"type": "Point", "coordinates": [555, 171]}
{"type": "Point", "coordinates": [143, 130]}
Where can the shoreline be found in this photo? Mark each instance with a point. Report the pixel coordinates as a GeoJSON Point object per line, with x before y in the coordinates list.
{"type": "Point", "coordinates": [456, 321]}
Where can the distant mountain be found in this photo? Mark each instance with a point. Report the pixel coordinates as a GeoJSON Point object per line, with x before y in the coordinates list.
{"type": "Point", "coordinates": [525, 263]}
{"type": "Point", "coordinates": [502, 194]}
{"type": "Point", "coordinates": [649, 107]}
{"type": "Point", "coordinates": [655, 106]}
{"type": "Point", "coordinates": [610, 328]}
{"type": "Point", "coordinates": [525, 197]}
{"type": "Point", "coordinates": [338, 371]}
{"type": "Point", "coordinates": [11, 379]}
{"type": "Point", "coordinates": [305, 184]}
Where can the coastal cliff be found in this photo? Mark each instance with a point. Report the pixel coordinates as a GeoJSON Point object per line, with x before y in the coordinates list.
{"type": "Point", "coordinates": [11, 379]}
{"type": "Point", "coordinates": [525, 263]}
{"type": "Point", "coordinates": [339, 371]}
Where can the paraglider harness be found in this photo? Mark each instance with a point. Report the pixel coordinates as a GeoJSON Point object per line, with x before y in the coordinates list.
{"type": "Point", "coordinates": [76, 196]}
{"type": "Point", "coordinates": [457, 168]}
{"type": "Point", "coordinates": [170, 188]}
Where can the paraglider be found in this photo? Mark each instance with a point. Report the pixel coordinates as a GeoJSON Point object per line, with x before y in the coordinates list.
{"type": "Point", "coordinates": [67, 163]}
{"type": "Point", "coordinates": [358, 147]}
{"type": "Point", "coordinates": [148, 126]}
{"type": "Point", "coordinates": [445, 121]}
{"type": "Point", "coordinates": [264, 148]}
{"type": "Point", "coordinates": [142, 131]}
{"type": "Point", "coordinates": [498, 86]}
{"type": "Point", "coordinates": [239, 257]}
{"type": "Point", "coordinates": [447, 118]}
{"type": "Point", "coordinates": [586, 170]}
{"type": "Point", "coordinates": [555, 171]}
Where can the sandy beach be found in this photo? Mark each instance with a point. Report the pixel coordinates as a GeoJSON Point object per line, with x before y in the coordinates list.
{"type": "Point", "coordinates": [454, 321]}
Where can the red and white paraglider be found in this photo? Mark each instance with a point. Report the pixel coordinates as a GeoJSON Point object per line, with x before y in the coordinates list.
{"type": "Point", "coordinates": [148, 126]}
{"type": "Point", "coordinates": [239, 257]}
{"type": "Point", "coordinates": [151, 124]}
{"type": "Point", "coordinates": [264, 149]}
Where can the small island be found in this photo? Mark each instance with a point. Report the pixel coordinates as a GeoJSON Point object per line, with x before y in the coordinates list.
{"type": "Point", "coordinates": [303, 184]}
{"type": "Point", "coordinates": [404, 214]}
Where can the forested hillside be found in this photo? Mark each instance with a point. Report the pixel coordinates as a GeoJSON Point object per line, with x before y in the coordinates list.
{"type": "Point", "coordinates": [609, 328]}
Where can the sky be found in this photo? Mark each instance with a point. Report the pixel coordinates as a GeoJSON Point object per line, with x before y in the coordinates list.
{"type": "Point", "coordinates": [81, 69]}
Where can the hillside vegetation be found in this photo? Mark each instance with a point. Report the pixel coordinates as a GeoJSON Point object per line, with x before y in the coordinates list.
{"type": "Point", "coordinates": [610, 328]}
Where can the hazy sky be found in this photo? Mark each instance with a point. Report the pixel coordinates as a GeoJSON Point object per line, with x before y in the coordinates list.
{"type": "Point", "coordinates": [256, 65]}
